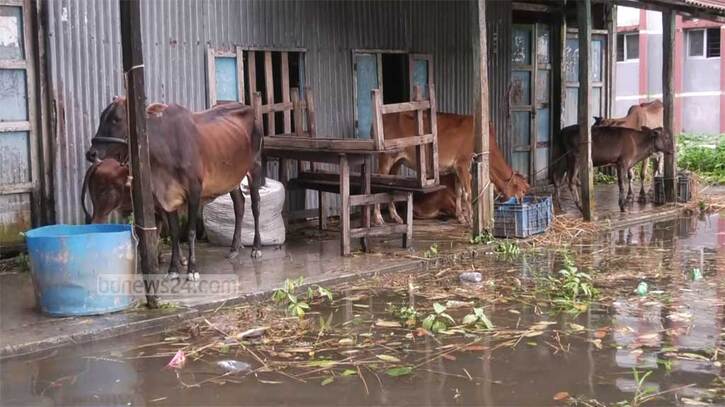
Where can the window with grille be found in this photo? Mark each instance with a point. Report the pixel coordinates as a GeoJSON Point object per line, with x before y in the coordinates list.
{"type": "Point", "coordinates": [703, 43]}
{"type": "Point", "coordinates": [627, 47]}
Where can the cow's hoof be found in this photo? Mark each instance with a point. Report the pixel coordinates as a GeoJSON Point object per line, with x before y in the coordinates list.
{"type": "Point", "coordinates": [256, 253]}
{"type": "Point", "coordinates": [193, 276]}
{"type": "Point", "coordinates": [642, 198]}
{"type": "Point", "coordinates": [378, 221]}
{"type": "Point", "coordinates": [173, 275]}
{"type": "Point", "coordinates": [397, 219]}
{"type": "Point", "coordinates": [184, 261]}
{"type": "Point", "coordinates": [233, 254]}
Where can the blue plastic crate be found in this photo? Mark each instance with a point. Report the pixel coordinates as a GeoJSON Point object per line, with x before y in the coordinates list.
{"type": "Point", "coordinates": [533, 215]}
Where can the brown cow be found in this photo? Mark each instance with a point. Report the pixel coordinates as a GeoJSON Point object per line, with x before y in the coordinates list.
{"type": "Point", "coordinates": [648, 114]}
{"type": "Point", "coordinates": [455, 153]}
{"type": "Point", "coordinates": [108, 185]}
{"type": "Point", "coordinates": [195, 157]}
{"type": "Point", "coordinates": [621, 146]}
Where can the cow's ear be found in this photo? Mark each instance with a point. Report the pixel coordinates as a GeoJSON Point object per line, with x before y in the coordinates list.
{"type": "Point", "coordinates": [116, 98]}
{"type": "Point", "coordinates": [597, 120]}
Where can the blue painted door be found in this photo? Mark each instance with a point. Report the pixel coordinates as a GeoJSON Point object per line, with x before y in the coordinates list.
{"type": "Point", "coordinates": [19, 192]}
{"type": "Point", "coordinates": [366, 79]}
{"type": "Point", "coordinates": [420, 73]}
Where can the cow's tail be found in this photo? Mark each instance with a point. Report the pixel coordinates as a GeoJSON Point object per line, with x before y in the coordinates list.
{"type": "Point", "coordinates": [89, 173]}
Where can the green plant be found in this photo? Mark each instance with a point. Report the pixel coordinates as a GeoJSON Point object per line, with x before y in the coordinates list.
{"type": "Point", "coordinates": [642, 393]}
{"type": "Point", "coordinates": [704, 155]}
{"type": "Point", "coordinates": [319, 292]}
{"type": "Point", "coordinates": [438, 320]}
{"type": "Point", "coordinates": [286, 296]}
{"type": "Point", "coordinates": [508, 248]}
{"type": "Point", "coordinates": [408, 315]}
{"type": "Point", "coordinates": [22, 262]}
{"type": "Point", "coordinates": [432, 251]}
{"type": "Point", "coordinates": [602, 178]}
{"type": "Point", "coordinates": [571, 287]}
{"type": "Point", "coordinates": [484, 238]}
{"type": "Point", "coordinates": [478, 318]}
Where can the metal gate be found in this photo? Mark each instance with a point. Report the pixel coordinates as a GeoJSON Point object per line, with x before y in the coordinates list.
{"type": "Point", "coordinates": [19, 186]}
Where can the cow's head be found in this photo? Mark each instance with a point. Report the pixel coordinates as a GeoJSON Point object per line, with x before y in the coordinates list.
{"type": "Point", "coordinates": [662, 139]}
{"type": "Point", "coordinates": [111, 138]}
{"type": "Point", "coordinates": [517, 186]}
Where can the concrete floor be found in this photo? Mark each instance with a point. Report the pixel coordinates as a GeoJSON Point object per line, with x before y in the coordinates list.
{"type": "Point", "coordinates": [308, 252]}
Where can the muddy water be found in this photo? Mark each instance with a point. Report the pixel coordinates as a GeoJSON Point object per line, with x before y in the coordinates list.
{"type": "Point", "coordinates": [675, 335]}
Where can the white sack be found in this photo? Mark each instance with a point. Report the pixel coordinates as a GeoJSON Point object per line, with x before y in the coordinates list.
{"type": "Point", "coordinates": [219, 216]}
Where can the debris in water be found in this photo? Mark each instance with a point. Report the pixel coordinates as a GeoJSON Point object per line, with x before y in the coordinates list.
{"type": "Point", "coordinates": [234, 366]}
{"type": "Point", "coordinates": [696, 274]}
{"type": "Point", "coordinates": [562, 395]}
{"type": "Point", "coordinates": [470, 277]}
{"type": "Point", "coordinates": [641, 288]}
{"type": "Point", "coordinates": [178, 361]}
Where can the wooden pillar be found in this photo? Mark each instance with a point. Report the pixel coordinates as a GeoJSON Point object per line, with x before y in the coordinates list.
{"type": "Point", "coordinates": [668, 96]}
{"type": "Point", "coordinates": [611, 59]}
{"type": "Point", "coordinates": [586, 171]}
{"type": "Point", "coordinates": [481, 188]}
{"type": "Point", "coordinates": [138, 143]}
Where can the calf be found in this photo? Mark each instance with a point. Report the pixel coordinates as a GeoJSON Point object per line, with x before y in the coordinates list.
{"type": "Point", "coordinates": [619, 146]}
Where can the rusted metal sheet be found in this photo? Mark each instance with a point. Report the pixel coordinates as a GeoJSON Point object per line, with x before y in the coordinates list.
{"type": "Point", "coordinates": [499, 20]}
{"type": "Point", "coordinates": [85, 60]}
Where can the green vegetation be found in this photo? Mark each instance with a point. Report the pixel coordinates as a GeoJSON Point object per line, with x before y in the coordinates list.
{"type": "Point", "coordinates": [703, 155]}
{"type": "Point", "coordinates": [295, 305]}
{"type": "Point", "coordinates": [478, 318]}
{"type": "Point", "coordinates": [571, 288]}
{"type": "Point", "coordinates": [432, 252]}
{"type": "Point", "coordinates": [601, 178]}
{"type": "Point", "coordinates": [508, 248]}
{"type": "Point", "coordinates": [438, 320]}
{"type": "Point", "coordinates": [484, 238]}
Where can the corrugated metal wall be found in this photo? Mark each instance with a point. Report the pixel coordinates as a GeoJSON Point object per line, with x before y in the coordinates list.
{"type": "Point", "coordinates": [85, 58]}
{"type": "Point", "coordinates": [498, 24]}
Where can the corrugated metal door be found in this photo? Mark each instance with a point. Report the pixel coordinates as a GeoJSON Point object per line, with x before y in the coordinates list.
{"type": "Point", "coordinates": [18, 187]}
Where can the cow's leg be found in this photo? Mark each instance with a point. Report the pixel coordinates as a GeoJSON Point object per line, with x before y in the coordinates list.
{"type": "Point", "coordinates": [392, 210]}
{"type": "Point", "coordinates": [238, 201]}
{"type": "Point", "coordinates": [385, 166]}
{"type": "Point", "coordinates": [254, 184]}
{"type": "Point", "coordinates": [172, 219]}
{"type": "Point", "coordinates": [573, 181]}
{"type": "Point", "coordinates": [642, 177]}
{"type": "Point", "coordinates": [194, 203]}
{"type": "Point", "coordinates": [621, 173]}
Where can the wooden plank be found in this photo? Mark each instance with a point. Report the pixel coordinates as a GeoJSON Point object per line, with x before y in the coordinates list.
{"type": "Point", "coordinates": [668, 99]}
{"type": "Point", "coordinates": [252, 72]}
{"type": "Point", "coordinates": [378, 132]}
{"type": "Point", "coordinates": [14, 126]}
{"type": "Point", "coordinates": [421, 154]}
{"type": "Point", "coordinates": [405, 107]}
{"type": "Point", "coordinates": [366, 198]}
{"type": "Point", "coordinates": [240, 75]}
{"type": "Point", "coordinates": [365, 171]}
{"type": "Point", "coordinates": [434, 130]}
{"type": "Point", "coordinates": [286, 91]}
{"type": "Point", "coordinates": [297, 111]}
{"type": "Point", "coordinates": [379, 181]}
{"type": "Point", "coordinates": [333, 186]}
{"type": "Point", "coordinates": [481, 188]}
{"type": "Point", "coordinates": [384, 230]}
{"type": "Point", "coordinates": [143, 200]}
{"type": "Point", "coordinates": [401, 143]}
{"type": "Point", "coordinates": [279, 107]}
{"type": "Point", "coordinates": [211, 77]}
{"type": "Point", "coordinates": [328, 144]}
{"type": "Point", "coordinates": [257, 104]}
{"type": "Point", "coordinates": [311, 115]}
{"type": "Point", "coordinates": [16, 188]}
{"type": "Point", "coordinates": [344, 206]}
{"type": "Point", "coordinates": [269, 91]}
{"type": "Point", "coordinates": [13, 64]}
{"type": "Point", "coordinates": [586, 171]}
{"type": "Point", "coordinates": [321, 210]}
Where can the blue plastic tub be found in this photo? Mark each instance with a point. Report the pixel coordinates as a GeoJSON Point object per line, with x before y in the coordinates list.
{"type": "Point", "coordinates": [512, 219]}
{"type": "Point", "coordinates": [82, 269]}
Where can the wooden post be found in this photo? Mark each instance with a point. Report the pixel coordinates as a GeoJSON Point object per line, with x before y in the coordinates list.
{"type": "Point", "coordinates": [378, 135]}
{"type": "Point", "coordinates": [421, 151]}
{"type": "Point", "coordinates": [365, 174]}
{"type": "Point", "coordinates": [344, 206]}
{"type": "Point", "coordinates": [481, 188]}
{"type": "Point", "coordinates": [611, 59]}
{"type": "Point", "coordinates": [586, 170]}
{"type": "Point", "coordinates": [668, 96]}
{"type": "Point", "coordinates": [138, 143]}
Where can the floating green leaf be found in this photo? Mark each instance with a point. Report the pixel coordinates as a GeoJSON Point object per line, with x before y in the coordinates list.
{"type": "Point", "coordinates": [399, 371]}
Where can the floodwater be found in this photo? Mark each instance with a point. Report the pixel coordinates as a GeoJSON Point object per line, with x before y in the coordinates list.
{"type": "Point", "coordinates": [674, 337]}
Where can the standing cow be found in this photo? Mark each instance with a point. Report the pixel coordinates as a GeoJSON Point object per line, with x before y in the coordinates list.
{"type": "Point", "coordinates": [195, 157]}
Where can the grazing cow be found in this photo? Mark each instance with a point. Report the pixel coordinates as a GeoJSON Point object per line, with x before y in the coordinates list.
{"type": "Point", "coordinates": [649, 114]}
{"type": "Point", "coordinates": [455, 153]}
{"type": "Point", "coordinates": [508, 182]}
{"type": "Point", "coordinates": [109, 186]}
{"type": "Point", "coordinates": [620, 146]}
{"type": "Point", "coordinates": [195, 157]}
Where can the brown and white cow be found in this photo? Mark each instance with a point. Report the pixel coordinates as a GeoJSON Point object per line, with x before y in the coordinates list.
{"type": "Point", "coordinates": [455, 154]}
{"type": "Point", "coordinates": [109, 187]}
{"type": "Point", "coordinates": [648, 114]}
